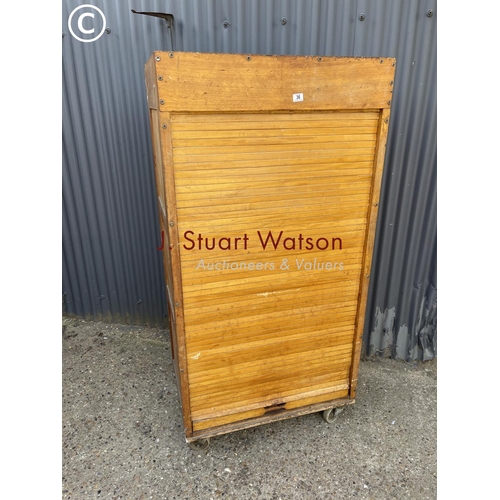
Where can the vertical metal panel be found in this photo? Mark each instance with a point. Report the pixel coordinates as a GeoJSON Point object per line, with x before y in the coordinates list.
{"type": "Point", "coordinates": [111, 267]}
{"type": "Point", "coordinates": [403, 287]}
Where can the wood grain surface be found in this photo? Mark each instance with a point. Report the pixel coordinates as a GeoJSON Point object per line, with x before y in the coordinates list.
{"type": "Point", "coordinates": [268, 206]}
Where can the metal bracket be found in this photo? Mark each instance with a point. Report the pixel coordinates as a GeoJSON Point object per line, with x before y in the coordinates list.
{"type": "Point", "coordinates": [169, 19]}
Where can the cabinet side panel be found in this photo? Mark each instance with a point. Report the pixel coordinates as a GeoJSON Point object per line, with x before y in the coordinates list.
{"type": "Point", "coordinates": [160, 134]}
{"type": "Point", "coordinates": [174, 288]}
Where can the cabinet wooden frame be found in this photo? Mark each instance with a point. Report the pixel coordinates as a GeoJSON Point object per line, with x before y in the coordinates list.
{"type": "Point", "coordinates": [247, 144]}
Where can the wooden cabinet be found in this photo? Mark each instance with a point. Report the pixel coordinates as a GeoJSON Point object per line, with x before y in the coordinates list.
{"type": "Point", "coordinates": [268, 172]}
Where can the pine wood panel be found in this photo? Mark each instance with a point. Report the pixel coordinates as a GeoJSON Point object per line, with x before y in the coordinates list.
{"type": "Point", "coordinates": [267, 83]}
{"type": "Point", "coordinates": [250, 336]}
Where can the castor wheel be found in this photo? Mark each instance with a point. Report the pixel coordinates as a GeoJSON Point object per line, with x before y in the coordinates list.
{"type": "Point", "coordinates": [331, 414]}
{"type": "Point", "coordinates": [200, 444]}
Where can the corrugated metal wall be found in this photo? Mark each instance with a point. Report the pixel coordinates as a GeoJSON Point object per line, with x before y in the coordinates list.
{"type": "Point", "coordinates": [111, 268]}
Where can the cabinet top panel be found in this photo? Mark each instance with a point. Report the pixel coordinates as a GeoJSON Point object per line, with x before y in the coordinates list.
{"type": "Point", "coordinates": [205, 82]}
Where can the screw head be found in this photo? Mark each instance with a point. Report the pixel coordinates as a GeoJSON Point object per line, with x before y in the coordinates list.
{"type": "Point", "coordinates": [319, 59]}
{"type": "Point", "coordinates": [171, 223]}
{"type": "Point", "coordinates": [225, 25]}
{"type": "Point", "coordinates": [177, 304]}
{"type": "Point", "coordinates": [108, 30]}
{"type": "Point", "coordinates": [389, 103]}
{"type": "Point", "coordinates": [162, 101]}
{"type": "Point", "coordinates": [429, 13]}
{"type": "Point", "coordinates": [158, 58]}
{"type": "Point", "coordinates": [283, 21]}
{"type": "Point", "coordinates": [160, 78]}
{"type": "Point", "coordinates": [164, 126]}
{"type": "Point", "coordinates": [362, 17]}
{"type": "Point", "coordinates": [170, 54]}
{"type": "Point", "coordinates": [249, 58]}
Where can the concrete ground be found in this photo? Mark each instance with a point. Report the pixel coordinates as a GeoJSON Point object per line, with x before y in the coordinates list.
{"type": "Point", "coordinates": [123, 439]}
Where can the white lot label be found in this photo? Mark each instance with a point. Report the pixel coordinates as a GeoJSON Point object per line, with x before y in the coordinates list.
{"type": "Point", "coordinates": [298, 97]}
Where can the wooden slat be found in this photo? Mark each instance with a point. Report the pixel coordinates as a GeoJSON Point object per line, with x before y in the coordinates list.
{"type": "Point", "coordinates": [305, 202]}
{"type": "Point", "coordinates": [338, 154]}
{"type": "Point", "coordinates": [227, 334]}
{"type": "Point", "coordinates": [243, 393]}
{"type": "Point", "coordinates": [264, 187]}
{"type": "Point", "coordinates": [251, 417]}
{"type": "Point", "coordinates": [261, 382]}
{"type": "Point", "coordinates": [205, 317]}
{"type": "Point", "coordinates": [344, 288]}
{"type": "Point", "coordinates": [207, 181]}
{"type": "Point", "coordinates": [312, 386]}
{"type": "Point", "coordinates": [255, 220]}
{"type": "Point", "coordinates": [212, 200]}
{"type": "Point", "coordinates": [246, 144]}
{"type": "Point", "coordinates": [307, 317]}
{"type": "Point", "coordinates": [294, 331]}
{"type": "Point", "coordinates": [276, 133]}
{"type": "Point", "coordinates": [261, 149]}
{"type": "Point", "coordinates": [297, 393]}
{"type": "Point", "coordinates": [214, 348]}
{"type": "Point", "coordinates": [267, 302]}
{"type": "Point", "coordinates": [280, 211]}
{"type": "Point", "coordinates": [199, 425]}
{"type": "Point", "coordinates": [320, 163]}
{"type": "Point", "coordinates": [261, 234]}
{"type": "Point", "coordinates": [247, 120]}
{"type": "Point", "coordinates": [230, 356]}
{"type": "Point", "coordinates": [324, 289]}
{"type": "Point", "coordinates": [269, 376]}
{"type": "Point", "coordinates": [316, 399]}
{"type": "Point", "coordinates": [274, 174]}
